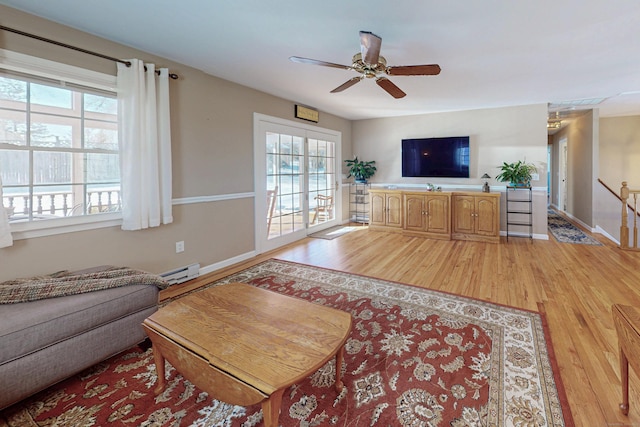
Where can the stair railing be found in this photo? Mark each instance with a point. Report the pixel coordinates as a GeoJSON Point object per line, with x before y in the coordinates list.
{"type": "Point", "coordinates": [625, 193]}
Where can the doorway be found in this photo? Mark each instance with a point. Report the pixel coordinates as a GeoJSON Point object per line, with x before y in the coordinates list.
{"type": "Point", "coordinates": [562, 174]}
{"type": "Point", "coordinates": [296, 180]}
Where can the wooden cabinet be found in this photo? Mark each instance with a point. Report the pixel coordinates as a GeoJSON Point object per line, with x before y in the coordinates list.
{"type": "Point", "coordinates": [438, 214]}
{"type": "Point", "coordinates": [476, 217]}
{"type": "Point", "coordinates": [386, 209]}
{"type": "Point", "coordinates": [428, 214]}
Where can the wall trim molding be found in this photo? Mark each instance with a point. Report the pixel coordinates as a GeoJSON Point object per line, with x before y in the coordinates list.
{"type": "Point", "coordinates": [212, 198]}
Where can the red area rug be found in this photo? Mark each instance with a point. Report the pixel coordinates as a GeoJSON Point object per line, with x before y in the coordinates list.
{"type": "Point", "coordinates": [415, 357]}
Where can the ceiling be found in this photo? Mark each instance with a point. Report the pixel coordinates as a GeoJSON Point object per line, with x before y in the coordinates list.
{"type": "Point", "coordinates": [493, 53]}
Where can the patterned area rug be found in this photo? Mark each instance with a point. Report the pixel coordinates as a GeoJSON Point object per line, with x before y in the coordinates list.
{"type": "Point", "coordinates": [566, 232]}
{"type": "Point", "coordinates": [415, 357]}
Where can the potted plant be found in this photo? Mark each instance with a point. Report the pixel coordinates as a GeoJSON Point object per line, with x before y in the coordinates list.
{"type": "Point", "coordinates": [360, 170]}
{"type": "Point", "coordinates": [516, 174]}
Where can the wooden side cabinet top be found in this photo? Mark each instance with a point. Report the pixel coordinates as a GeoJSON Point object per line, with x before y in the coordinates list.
{"type": "Point", "coordinates": [426, 192]}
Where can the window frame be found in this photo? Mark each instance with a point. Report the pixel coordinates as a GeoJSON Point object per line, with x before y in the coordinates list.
{"type": "Point", "coordinates": [38, 67]}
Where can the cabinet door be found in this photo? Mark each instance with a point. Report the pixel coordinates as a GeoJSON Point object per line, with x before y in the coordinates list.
{"type": "Point", "coordinates": [463, 211]}
{"type": "Point", "coordinates": [486, 214]}
{"type": "Point", "coordinates": [414, 218]}
{"type": "Point", "coordinates": [437, 214]}
{"type": "Point", "coordinates": [394, 210]}
{"type": "Point", "coordinates": [378, 213]}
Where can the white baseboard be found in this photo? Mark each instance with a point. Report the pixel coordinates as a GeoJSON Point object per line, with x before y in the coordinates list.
{"type": "Point", "coordinates": [582, 224]}
{"type": "Point", "coordinates": [600, 230]}
{"type": "Point", "coordinates": [596, 229]}
{"type": "Point", "coordinates": [227, 262]}
{"type": "Point", "coordinates": [535, 236]}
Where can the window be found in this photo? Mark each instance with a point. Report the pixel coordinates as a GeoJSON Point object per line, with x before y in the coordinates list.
{"type": "Point", "coordinates": [58, 148]}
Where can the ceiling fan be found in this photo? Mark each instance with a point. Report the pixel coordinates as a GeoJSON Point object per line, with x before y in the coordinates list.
{"type": "Point", "coordinates": [370, 64]}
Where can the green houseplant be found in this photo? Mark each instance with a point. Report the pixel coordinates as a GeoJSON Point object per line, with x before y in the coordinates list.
{"type": "Point", "coordinates": [360, 170]}
{"type": "Point", "coordinates": [517, 173]}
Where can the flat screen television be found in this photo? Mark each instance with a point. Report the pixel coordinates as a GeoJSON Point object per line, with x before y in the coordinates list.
{"type": "Point", "coordinates": [446, 157]}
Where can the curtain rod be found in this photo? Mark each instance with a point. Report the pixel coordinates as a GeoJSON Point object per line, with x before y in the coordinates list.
{"type": "Point", "coordinates": [79, 49]}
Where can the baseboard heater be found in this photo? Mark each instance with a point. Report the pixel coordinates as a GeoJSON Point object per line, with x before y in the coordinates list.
{"type": "Point", "coordinates": [182, 274]}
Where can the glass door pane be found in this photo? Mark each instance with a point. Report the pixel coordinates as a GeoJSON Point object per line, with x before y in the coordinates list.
{"type": "Point", "coordinates": [321, 165]}
{"type": "Point", "coordinates": [284, 184]}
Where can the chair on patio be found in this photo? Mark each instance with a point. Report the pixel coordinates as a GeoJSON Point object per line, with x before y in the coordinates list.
{"type": "Point", "coordinates": [271, 204]}
{"type": "Point", "coordinates": [77, 210]}
{"type": "Point", "coordinates": [324, 207]}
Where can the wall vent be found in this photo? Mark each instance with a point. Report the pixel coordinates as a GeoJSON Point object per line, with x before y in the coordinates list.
{"type": "Point", "coordinates": [182, 274]}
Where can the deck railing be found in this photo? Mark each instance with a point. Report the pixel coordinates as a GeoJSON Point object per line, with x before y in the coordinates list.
{"type": "Point", "coordinates": [59, 204]}
{"type": "Point", "coordinates": [625, 193]}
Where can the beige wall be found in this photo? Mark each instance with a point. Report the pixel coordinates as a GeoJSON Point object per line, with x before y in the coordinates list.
{"type": "Point", "coordinates": [582, 165]}
{"type": "Point", "coordinates": [212, 153]}
{"type": "Point", "coordinates": [496, 135]}
{"type": "Point", "coordinates": [619, 158]}
{"type": "Point", "coordinates": [620, 151]}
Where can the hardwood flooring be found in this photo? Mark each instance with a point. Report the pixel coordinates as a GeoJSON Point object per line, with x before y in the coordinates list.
{"type": "Point", "coordinates": [574, 284]}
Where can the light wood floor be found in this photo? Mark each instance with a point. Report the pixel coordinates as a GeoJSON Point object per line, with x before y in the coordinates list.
{"type": "Point", "coordinates": [574, 284]}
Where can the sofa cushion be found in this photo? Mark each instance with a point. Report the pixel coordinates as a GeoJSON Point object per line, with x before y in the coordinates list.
{"type": "Point", "coordinates": [30, 326]}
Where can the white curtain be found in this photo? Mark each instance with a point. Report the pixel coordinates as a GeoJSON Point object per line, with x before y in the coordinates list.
{"type": "Point", "coordinates": [145, 145]}
{"type": "Point", "coordinates": [5, 231]}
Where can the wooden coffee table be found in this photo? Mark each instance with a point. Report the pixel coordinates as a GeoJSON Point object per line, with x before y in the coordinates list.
{"type": "Point", "coordinates": [245, 345]}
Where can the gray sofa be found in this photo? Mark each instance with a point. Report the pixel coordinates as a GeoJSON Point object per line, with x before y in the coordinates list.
{"type": "Point", "coordinates": [45, 341]}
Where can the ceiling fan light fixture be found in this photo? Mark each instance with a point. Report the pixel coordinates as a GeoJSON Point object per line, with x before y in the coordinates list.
{"type": "Point", "coordinates": [369, 70]}
{"type": "Point", "coordinates": [554, 124]}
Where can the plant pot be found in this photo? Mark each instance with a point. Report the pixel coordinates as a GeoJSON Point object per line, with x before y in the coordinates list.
{"type": "Point", "coordinates": [361, 181]}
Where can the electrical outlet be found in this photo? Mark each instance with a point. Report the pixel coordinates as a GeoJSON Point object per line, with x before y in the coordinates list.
{"type": "Point", "coordinates": [535, 177]}
{"type": "Point", "coordinates": [180, 246]}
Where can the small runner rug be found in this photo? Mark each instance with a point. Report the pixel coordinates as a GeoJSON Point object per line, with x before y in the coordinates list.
{"type": "Point", "coordinates": [565, 232]}
{"type": "Point", "coordinates": [415, 357]}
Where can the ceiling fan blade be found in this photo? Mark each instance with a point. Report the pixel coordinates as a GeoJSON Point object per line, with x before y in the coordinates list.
{"type": "Point", "coordinates": [347, 84]}
{"type": "Point", "coordinates": [370, 47]}
{"type": "Point", "coordinates": [414, 70]}
{"type": "Point", "coordinates": [317, 62]}
{"type": "Point", "coordinates": [391, 88]}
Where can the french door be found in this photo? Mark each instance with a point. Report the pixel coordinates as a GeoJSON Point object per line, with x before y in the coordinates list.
{"type": "Point", "coordinates": [296, 181]}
